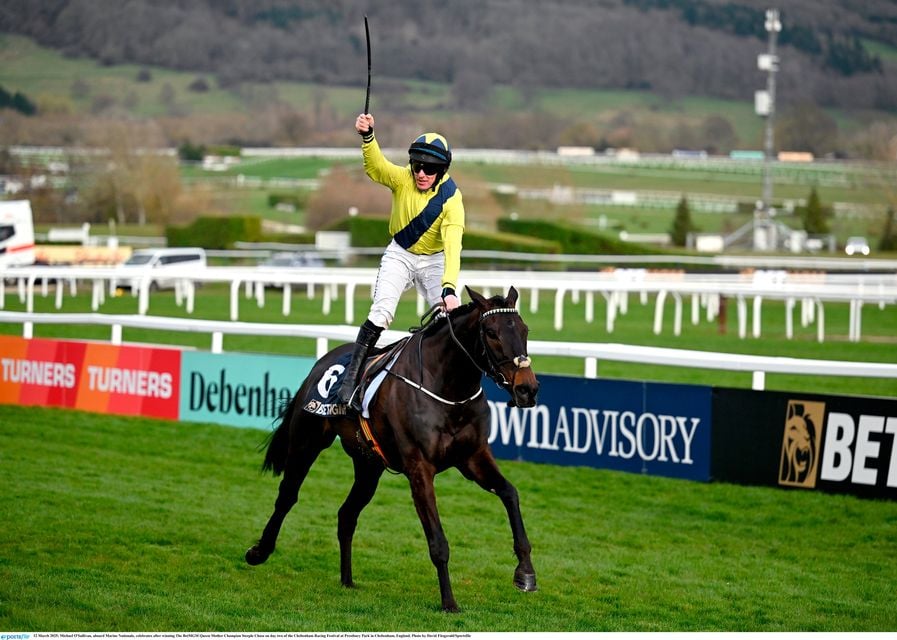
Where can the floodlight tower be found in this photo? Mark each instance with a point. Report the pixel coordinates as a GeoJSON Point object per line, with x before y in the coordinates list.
{"type": "Point", "coordinates": [765, 105]}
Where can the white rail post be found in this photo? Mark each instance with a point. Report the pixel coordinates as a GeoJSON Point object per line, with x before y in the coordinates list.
{"type": "Point", "coordinates": [658, 311]}
{"type": "Point", "coordinates": [321, 347]}
{"type": "Point", "coordinates": [287, 294]}
{"type": "Point", "coordinates": [350, 303]}
{"type": "Point", "coordinates": [29, 293]}
{"type": "Point", "coordinates": [234, 299]}
{"type": "Point", "coordinates": [217, 342]}
{"type": "Point", "coordinates": [677, 317]}
{"type": "Point", "coordinates": [758, 302]}
{"type": "Point", "coordinates": [820, 322]}
{"type": "Point", "coordinates": [611, 314]}
{"type": "Point", "coordinates": [856, 314]}
{"type": "Point", "coordinates": [327, 302]}
{"type": "Point", "coordinates": [742, 317]}
{"type": "Point", "coordinates": [789, 320]}
{"type": "Point", "coordinates": [758, 381]}
{"type": "Point", "coordinates": [143, 297]}
{"type": "Point", "coordinates": [591, 367]}
{"type": "Point", "coordinates": [559, 308]}
{"type": "Point", "coordinates": [116, 334]}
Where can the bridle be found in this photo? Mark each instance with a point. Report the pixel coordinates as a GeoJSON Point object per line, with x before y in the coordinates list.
{"type": "Point", "coordinates": [493, 364]}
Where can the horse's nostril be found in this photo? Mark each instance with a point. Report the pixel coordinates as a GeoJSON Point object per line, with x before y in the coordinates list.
{"type": "Point", "coordinates": [526, 395]}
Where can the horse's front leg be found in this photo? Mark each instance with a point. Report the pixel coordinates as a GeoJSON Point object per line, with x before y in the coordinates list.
{"type": "Point", "coordinates": [421, 476]}
{"type": "Point", "coordinates": [367, 477]}
{"type": "Point", "coordinates": [482, 469]}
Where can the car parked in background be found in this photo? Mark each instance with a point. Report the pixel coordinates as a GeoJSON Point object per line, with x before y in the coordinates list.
{"type": "Point", "coordinates": [856, 245]}
{"type": "Point", "coordinates": [160, 261]}
{"type": "Point", "coordinates": [289, 261]}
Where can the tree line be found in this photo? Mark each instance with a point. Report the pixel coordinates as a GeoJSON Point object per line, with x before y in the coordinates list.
{"type": "Point", "coordinates": [17, 101]}
{"type": "Point", "coordinates": [672, 47]}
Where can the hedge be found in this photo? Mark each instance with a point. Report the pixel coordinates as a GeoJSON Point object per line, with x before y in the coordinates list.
{"type": "Point", "coordinates": [216, 232]}
{"type": "Point", "coordinates": [573, 239]}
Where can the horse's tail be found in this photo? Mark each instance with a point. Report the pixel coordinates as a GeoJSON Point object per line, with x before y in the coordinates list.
{"type": "Point", "coordinates": [278, 441]}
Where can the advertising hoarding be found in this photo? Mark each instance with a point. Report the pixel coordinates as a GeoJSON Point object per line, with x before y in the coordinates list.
{"type": "Point", "coordinates": [640, 427]}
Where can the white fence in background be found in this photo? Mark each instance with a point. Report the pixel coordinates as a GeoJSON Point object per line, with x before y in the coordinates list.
{"type": "Point", "coordinates": [705, 293]}
{"type": "Point", "coordinates": [591, 353]}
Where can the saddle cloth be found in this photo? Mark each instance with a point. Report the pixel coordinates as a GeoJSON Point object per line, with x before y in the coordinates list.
{"type": "Point", "coordinates": [321, 396]}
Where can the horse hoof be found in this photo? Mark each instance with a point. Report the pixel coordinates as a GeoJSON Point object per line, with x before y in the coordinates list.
{"type": "Point", "coordinates": [255, 556]}
{"type": "Point", "coordinates": [525, 581]}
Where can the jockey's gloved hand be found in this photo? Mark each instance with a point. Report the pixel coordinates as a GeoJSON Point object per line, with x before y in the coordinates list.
{"type": "Point", "coordinates": [449, 299]}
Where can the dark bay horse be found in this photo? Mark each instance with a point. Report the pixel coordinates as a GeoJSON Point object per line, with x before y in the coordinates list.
{"type": "Point", "coordinates": [430, 414]}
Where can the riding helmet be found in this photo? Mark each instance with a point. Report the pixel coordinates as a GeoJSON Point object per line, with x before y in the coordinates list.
{"type": "Point", "coordinates": [431, 148]}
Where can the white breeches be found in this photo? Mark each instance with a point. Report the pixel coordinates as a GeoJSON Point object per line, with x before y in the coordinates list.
{"type": "Point", "coordinates": [399, 271]}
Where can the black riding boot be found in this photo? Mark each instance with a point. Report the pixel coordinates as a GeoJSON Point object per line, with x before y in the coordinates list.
{"type": "Point", "coordinates": [367, 338]}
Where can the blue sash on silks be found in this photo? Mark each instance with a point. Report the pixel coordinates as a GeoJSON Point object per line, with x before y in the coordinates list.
{"type": "Point", "coordinates": [425, 219]}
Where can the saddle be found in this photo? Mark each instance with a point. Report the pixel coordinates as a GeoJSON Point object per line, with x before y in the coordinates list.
{"type": "Point", "coordinates": [370, 378]}
{"type": "Point", "coordinates": [321, 397]}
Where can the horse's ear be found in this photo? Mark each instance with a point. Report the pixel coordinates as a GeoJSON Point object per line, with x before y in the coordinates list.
{"type": "Point", "coordinates": [476, 297]}
{"type": "Point", "coordinates": [512, 297]}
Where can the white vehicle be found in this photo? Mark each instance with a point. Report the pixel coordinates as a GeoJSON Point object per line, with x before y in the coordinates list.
{"type": "Point", "coordinates": [856, 245]}
{"type": "Point", "coordinates": [288, 262]}
{"type": "Point", "coordinates": [156, 263]}
{"type": "Point", "coordinates": [16, 233]}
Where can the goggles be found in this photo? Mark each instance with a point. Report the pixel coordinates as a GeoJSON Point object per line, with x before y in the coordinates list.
{"type": "Point", "coordinates": [429, 168]}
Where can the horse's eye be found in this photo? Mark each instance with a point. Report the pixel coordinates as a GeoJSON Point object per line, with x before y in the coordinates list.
{"type": "Point", "coordinates": [491, 334]}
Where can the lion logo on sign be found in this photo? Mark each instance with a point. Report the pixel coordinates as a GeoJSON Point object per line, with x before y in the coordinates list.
{"type": "Point", "coordinates": [800, 444]}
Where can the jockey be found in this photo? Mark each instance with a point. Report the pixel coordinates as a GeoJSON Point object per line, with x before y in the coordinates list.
{"type": "Point", "coordinates": [426, 224]}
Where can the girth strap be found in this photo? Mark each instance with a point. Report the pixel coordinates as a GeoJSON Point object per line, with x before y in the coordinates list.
{"type": "Point", "coordinates": [371, 440]}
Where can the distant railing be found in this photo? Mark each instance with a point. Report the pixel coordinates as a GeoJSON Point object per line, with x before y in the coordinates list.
{"type": "Point", "coordinates": [705, 291]}
{"type": "Point", "coordinates": [591, 353]}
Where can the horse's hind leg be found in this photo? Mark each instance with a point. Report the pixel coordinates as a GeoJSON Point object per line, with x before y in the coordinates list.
{"type": "Point", "coordinates": [483, 470]}
{"type": "Point", "coordinates": [367, 477]}
{"type": "Point", "coordinates": [288, 494]}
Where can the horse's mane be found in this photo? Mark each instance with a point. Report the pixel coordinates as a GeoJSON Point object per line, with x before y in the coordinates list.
{"type": "Point", "coordinates": [431, 321]}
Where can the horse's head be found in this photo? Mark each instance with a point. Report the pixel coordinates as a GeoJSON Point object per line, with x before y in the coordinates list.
{"type": "Point", "coordinates": [503, 334]}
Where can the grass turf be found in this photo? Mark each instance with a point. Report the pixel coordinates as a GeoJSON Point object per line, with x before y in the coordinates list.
{"type": "Point", "coordinates": [114, 523]}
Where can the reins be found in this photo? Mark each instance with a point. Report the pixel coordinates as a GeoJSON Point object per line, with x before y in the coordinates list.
{"type": "Point", "coordinates": [494, 372]}
{"type": "Point", "coordinates": [432, 315]}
